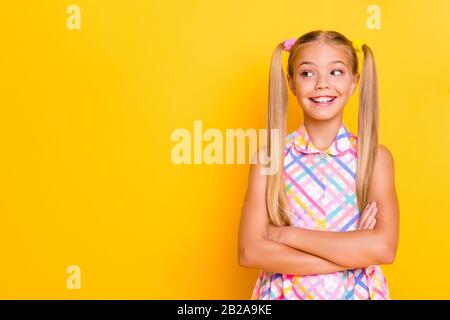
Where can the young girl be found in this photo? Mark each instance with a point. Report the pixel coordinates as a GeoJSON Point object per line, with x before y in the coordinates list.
{"type": "Point", "coordinates": [323, 223]}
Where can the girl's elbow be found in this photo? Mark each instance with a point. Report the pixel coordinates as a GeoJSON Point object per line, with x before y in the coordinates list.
{"type": "Point", "coordinates": [245, 257]}
{"type": "Point", "coordinates": [392, 253]}
{"type": "Point", "coordinates": [387, 254]}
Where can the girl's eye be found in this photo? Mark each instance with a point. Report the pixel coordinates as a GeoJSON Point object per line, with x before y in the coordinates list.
{"type": "Point", "coordinates": [303, 74]}
{"type": "Point", "coordinates": [338, 70]}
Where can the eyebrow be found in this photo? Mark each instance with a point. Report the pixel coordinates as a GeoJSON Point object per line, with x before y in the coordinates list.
{"type": "Point", "coordinates": [309, 62]}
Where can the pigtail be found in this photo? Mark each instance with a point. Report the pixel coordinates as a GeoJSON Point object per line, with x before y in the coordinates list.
{"type": "Point", "coordinates": [276, 119]}
{"type": "Point", "coordinates": [367, 127]}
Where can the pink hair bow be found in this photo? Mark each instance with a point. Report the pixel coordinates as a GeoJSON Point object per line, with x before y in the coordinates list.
{"type": "Point", "coordinates": [288, 44]}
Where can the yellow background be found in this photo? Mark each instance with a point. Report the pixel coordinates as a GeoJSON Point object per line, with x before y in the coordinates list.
{"type": "Point", "coordinates": [85, 125]}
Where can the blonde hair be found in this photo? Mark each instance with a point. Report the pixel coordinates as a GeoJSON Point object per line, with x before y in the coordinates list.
{"type": "Point", "coordinates": [277, 205]}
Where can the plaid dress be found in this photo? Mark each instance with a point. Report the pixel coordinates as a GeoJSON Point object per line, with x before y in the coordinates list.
{"type": "Point", "coordinates": [320, 188]}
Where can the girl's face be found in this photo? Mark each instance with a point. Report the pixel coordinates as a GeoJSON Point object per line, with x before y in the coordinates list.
{"type": "Point", "coordinates": [322, 70]}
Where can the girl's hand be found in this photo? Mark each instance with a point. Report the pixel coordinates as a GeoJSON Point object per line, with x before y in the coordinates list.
{"type": "Point", "coordinates": [367, 219]}
{"type": "Point", "coordinates": [273, 233]}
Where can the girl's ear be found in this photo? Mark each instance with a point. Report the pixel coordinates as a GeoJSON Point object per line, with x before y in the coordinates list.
{"type": "Point", "coordinates": [291, 84]}
{"type": "Point", "coordinates": [354, 83]}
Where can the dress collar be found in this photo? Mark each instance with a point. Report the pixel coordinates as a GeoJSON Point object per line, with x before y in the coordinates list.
{"type": "Point", "coordinates": [340, 145]}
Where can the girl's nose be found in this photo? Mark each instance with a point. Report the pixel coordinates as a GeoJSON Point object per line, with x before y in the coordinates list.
{"type": "Point", "coordinates": [322, 83]}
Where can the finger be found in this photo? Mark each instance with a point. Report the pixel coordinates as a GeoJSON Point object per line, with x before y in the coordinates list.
{"type": "Point", "coordinates": [372, 223]}
{"type": "Point", "coordinates": [370, 219]}
{"type": "Point", "coordinates": [365, 215]}
{"type": "Point", "coordinates": [370, 216]}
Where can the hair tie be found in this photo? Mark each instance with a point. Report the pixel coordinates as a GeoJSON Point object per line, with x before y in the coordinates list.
{"type": "Point", "coordinates": [288, 43]}
{"type": "Point", "coordinates": [357, 44]}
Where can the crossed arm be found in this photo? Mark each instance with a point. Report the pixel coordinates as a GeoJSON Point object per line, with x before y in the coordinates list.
{"type": "Point", "coordinates": [301, 251]}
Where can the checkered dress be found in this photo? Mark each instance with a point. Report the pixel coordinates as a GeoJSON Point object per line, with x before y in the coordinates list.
{"type": "Point", "coordinates": [320, 187]}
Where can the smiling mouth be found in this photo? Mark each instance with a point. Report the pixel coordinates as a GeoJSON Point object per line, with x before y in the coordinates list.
{"type": "Point", "coordinates": [323, 101]}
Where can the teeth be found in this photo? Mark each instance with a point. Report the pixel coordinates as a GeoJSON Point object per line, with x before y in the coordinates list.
{"type": "Point", "coordinates": [323, 99]}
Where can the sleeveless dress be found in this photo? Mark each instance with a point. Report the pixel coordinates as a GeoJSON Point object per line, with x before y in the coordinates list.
{"type": "Point", "coordinates": [321, 193]}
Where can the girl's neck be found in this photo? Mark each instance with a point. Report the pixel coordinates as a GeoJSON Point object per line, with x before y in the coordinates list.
{"type": "Point", "coordinates": [322, 133]}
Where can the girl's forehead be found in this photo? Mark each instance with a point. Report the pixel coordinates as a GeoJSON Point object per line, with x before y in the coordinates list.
{"type": "Point", "coordinates": [320, 53]}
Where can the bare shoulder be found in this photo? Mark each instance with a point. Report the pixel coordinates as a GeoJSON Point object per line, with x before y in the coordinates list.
{"type": "Point", "coordinates": [383, 179]}
{"type": "Point", "coordinates": [385, 153]}
{"type": "Point", "coordinates": [384, 163]}
{"type": "Point", "coordinates": [256, 180]}
{"type": "Point", "coordinates": [258, 155]}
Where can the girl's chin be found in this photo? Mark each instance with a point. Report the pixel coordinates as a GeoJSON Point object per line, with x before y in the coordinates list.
{"type": "Point", "coordinates": [322, 109]}
{"type": "Point", "coordinates": [321, 113]}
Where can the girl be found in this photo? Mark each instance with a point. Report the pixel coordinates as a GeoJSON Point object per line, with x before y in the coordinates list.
{"type": "Point", "coordinates": [311, 226]}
